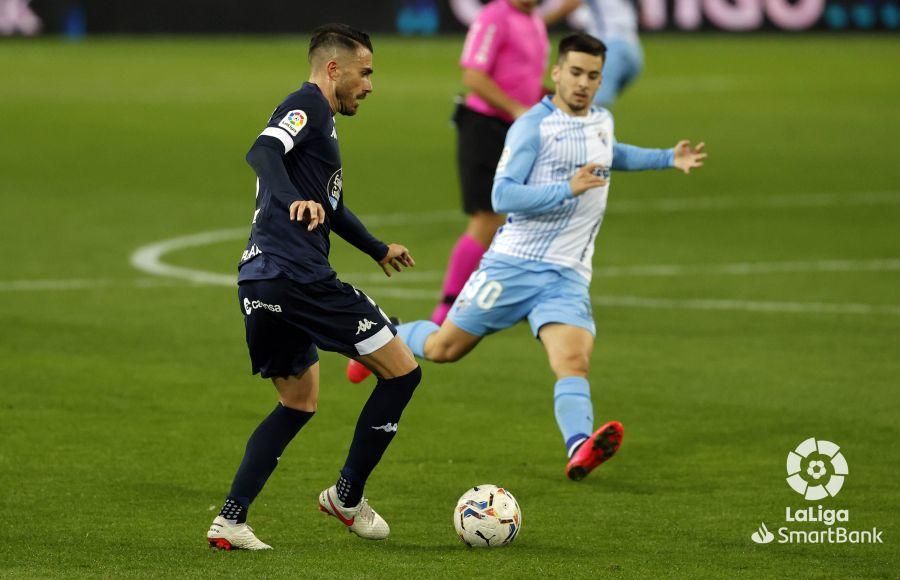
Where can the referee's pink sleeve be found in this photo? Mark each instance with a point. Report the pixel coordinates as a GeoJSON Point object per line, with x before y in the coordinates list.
{"type": "Point", "coordinates": [484, 39]}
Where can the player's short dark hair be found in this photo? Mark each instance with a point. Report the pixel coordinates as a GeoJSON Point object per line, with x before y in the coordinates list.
{"type": "Point", "coordinates": [581, 42]}
{"type": "Point", "coordinates": [338, 36]}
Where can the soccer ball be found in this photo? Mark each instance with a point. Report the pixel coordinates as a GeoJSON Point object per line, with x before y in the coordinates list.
{"type": "Point", "coordinates": [487, 516]}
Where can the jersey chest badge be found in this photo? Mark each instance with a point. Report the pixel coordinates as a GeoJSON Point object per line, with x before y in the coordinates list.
{"type": "Point", "coordinates": [604, 138]}
{"type": "Point", "coordinates": [335, 187]}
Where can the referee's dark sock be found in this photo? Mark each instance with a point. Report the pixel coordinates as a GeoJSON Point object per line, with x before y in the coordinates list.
{"type": "Point", "coordinates": [375, 429]}
{"type": "Point", "coordinates": [264, 449]}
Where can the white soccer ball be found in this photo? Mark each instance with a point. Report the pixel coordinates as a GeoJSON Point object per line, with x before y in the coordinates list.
{"type": "Point", "coordinates": [487, 516]}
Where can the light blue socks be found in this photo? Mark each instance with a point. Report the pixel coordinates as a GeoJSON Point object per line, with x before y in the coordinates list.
{"type": "Point", "coordinates": [414, 334]}
{"type": "Point", "coordinates": [574, 411]}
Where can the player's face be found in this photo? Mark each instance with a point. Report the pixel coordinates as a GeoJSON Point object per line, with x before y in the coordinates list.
{"type": "Point", "coordinates": [354, 82]}
{"type": "Point", "coordinates": [577, 79]}
{"type": "Point", "coordinates": [525, 5]}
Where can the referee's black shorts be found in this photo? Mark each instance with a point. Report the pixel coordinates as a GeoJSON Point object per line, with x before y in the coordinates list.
{"type": "Point", "coordinates": [478, 148]}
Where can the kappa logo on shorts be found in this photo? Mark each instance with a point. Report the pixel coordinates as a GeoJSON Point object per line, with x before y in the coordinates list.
{"type": "Point", "coordinates": [251, 305]}
{"type": "Point", "coordinates": [364, 325]}
{"type": "Point", "coordinates": [387, 428]}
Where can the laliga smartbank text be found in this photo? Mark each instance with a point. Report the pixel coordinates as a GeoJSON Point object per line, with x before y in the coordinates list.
{"type": "Point", "coordinates": [833, 534]}
{"type": "Point", "coordinates": [817, 470]}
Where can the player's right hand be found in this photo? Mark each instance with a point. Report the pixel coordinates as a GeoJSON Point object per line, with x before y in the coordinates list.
{"type": "Point", "coordinates": [585, 179]}
{"type": "Point", "coordinates": [396, 257]}
{"type": "Point", "coordinates": [302, 207]}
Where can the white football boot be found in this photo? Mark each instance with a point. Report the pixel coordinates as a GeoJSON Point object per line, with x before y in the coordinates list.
{"type": "Point", "coordinates": [227, 536]}
{"type": "Point", "coordinates": [361, 519]}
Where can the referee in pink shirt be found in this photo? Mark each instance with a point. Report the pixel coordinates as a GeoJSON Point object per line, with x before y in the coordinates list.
{"type": "Point", "coordinates": [503, 64]}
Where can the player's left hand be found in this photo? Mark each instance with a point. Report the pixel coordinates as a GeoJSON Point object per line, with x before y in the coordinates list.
{"type": "Point", "coordinates": [688, 157]}
{"type": "Point", "coordinates": [300, 208]}
{"type": "Point", "coordinates": [397, 257]}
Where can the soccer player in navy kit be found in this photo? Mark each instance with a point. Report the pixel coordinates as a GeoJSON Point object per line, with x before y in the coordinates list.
{"type": "Point", "coordinates": [293, 301]}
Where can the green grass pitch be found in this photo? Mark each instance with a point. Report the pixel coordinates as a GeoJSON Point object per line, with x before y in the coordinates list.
{"type": "Point", "coordinates": [740, 310]}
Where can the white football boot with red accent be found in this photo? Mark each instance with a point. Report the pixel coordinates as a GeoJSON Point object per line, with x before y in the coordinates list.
{"type": "Point", "coordinates": [361, 519]}
{"type": "Point", "coordinates": [224, 535]}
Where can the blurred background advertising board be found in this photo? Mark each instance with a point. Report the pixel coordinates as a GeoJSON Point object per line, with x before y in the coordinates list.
{"type": "Point", "coordinates": [421, 17]}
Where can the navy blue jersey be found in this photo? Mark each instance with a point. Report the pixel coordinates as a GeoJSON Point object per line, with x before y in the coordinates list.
{"type": "Point", "coordinates": [295, 158]}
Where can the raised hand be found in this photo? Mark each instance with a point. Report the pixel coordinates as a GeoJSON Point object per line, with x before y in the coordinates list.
{"type": "Point", "coordinates": [687, 157]}
{"type": "Point", "coordinates": [300, 208]}
{"type": "Point", "coordinates": [396, 257]}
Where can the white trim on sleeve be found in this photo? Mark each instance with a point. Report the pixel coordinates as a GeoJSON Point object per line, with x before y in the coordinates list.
{"type": "Point", "coordinates": [374, 342]}
{"type": "Point", "coordinates": [281, 135]}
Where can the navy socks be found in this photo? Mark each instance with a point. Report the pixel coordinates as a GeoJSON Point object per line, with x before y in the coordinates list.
{"type": "Point", "coordinates": [264, 448]}
{"type": "Point", "coordinates": [375, 429]}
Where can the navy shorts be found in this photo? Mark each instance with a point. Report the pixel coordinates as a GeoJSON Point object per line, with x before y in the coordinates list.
{"type": "Point", "coordinates": [287, 321]}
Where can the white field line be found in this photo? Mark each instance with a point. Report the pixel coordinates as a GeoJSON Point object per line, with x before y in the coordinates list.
{"type": "Point", "coordinates": [707, 304]}
{"type": "Point", "coordinates": [149, 258]}
{"type": "Point", "coordinates": [744, 268]}
{"type": "Point", "coordinates": [686, 304]}
{"type": "Point", "coordinates": [673, 270]}
{"type": "Point", "coordinates": [619, 205]}
{"type": "Point", "coordinates": [682, 84]}
{"type": "Point", "coordinates": [37, 285]}
{"type": "Point", "coordinates": [84, 284]}
{"type": "Point", "coordinates": [743, 305]}
{"type": "Point", "coordinates": [177, 276]}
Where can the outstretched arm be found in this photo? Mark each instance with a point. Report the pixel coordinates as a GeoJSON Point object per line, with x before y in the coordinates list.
{"type": "Point", "coordinates": [683, 156]}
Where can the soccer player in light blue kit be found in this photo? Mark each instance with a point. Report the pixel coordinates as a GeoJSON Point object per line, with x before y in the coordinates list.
{"type": "Point", "coordinates": [553, 181]}
{"type": "Point", "coordinates": [615, 22]}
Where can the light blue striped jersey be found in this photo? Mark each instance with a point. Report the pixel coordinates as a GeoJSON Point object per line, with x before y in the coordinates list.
{"type": "Point", "coordinates": [544, 148]}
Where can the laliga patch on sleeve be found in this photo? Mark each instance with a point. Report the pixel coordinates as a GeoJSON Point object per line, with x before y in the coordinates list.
{"type": "Point", "coordinates": [293, 122]}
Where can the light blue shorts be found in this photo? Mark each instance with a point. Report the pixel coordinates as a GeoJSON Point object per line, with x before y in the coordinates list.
{"type": "Point", "coordinates": [504, 291]}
